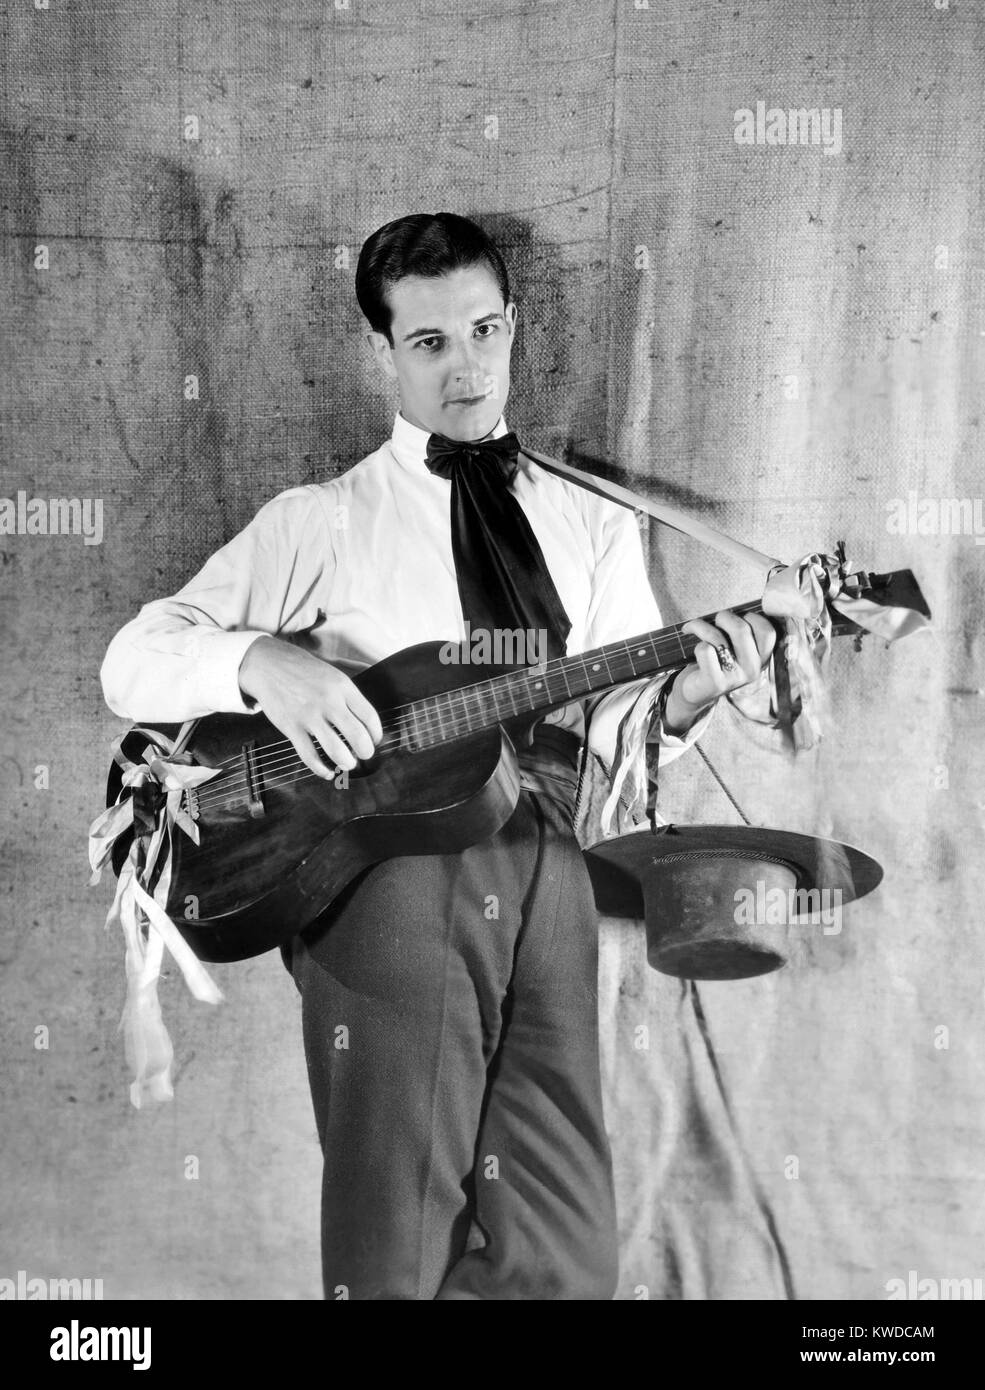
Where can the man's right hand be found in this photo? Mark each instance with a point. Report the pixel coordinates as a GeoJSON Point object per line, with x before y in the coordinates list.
{"type": "Point", "coordinates": [307, 699]}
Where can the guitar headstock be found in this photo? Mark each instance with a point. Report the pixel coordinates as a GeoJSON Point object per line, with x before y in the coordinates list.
{"type": "Point", "coordinates": [897, 589]}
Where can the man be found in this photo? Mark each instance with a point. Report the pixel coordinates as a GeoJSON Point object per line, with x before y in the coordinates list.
{"type": "Point", "coordinates": [462, 1128]}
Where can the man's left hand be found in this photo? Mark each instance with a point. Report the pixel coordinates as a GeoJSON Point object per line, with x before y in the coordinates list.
{"type": "Point", "coordinates": [732, 652]}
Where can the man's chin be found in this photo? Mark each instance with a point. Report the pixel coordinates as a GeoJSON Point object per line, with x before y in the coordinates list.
{"type": "Point", "coordinates": [463, 423]}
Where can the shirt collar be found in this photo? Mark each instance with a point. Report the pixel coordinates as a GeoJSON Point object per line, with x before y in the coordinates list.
{"type": "Point", "coordinates": [409, 444]}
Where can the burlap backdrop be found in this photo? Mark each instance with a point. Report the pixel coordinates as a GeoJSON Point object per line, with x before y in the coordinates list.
{"type": "Point", "coordinates": [781, 340]}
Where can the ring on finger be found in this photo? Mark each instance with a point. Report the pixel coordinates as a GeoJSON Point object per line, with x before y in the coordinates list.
{"type": "Point", "coordinates": [725, 658]}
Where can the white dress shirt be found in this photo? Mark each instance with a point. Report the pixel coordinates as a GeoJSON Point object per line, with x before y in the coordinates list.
{"type": "Point", "coordinates": [361, 566]}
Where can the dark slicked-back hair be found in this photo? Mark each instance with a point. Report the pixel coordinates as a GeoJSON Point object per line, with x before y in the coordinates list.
{"type": "Point", "coordinates": [428, 244]}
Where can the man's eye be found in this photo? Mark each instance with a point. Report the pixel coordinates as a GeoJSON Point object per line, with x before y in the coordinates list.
{"type": "Point", "coordinates": [428, 344]}
{"type": "Point", "coordinates": [486, 329]}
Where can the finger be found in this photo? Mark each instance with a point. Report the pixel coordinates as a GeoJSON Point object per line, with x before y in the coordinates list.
{"type": "Point", "coordinates": [333, 744]}
{"type": "Point", "coordinates": [743, 641]}
{"type": "Point", "coordinates": [365, 713]}
{"type": "Point", "coordinates": [709, 664]}
{"type": "Point", "coordinates": [720, 644]}
{"type": "Point", "coordinates": [308, 754]}
{"type": "Point", "coordinates": [355, 733]}
{"type": "Point", "coordinates": [754, 625]}
{"type": "Point", "coordinates": [765, 635]}
{"type": "Point", "coordinates": [706, 631]}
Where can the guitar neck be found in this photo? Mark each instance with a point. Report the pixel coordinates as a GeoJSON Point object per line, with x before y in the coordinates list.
{"type": "Point", "coordinates": [538, 689]}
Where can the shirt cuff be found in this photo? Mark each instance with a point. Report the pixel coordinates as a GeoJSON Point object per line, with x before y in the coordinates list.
{"type": "Point", "coordinates": [682, 741]}
{"type": "Point", "coordinates": [217, 656]}
{"type": "Point", "coordinates": [606, 717]}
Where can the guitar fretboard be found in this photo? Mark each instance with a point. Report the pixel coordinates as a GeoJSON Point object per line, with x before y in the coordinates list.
{"type": "Point", "coordinates": [508, 695]}
{"type": "Point", "coordinates": [454, 714]}
{"type": "Point", "coordinates": [471, 708]}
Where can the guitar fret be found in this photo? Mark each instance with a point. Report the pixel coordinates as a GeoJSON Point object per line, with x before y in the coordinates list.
{"type": "Point", "coordinates": [441, 722]}
{"type": "Point", "coordinates": [486, 699]}
{"type": "Point", "coordinates": [453, 715]}
{"type": "Point", "coordinates": [471, 698]}
{"type": "Point", "coordinates": [489, 702]}
{"type": "Point", "coordinates": [459, 716]}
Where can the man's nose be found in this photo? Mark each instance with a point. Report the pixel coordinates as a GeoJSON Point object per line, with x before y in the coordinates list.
{"type": "Point", "coordinates": [465, 363]}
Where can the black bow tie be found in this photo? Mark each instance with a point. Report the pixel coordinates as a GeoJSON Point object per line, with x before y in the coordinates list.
{"type": "Point", "coordinates": [503, 579]}
{"type": "Point", "coordinates": [444, 455]}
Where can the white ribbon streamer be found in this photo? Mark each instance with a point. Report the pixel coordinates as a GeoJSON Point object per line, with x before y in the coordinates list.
{"type": "Point", "coordinates": [147, 928]}
{"type": "Point", "coordinates": [629, 782]}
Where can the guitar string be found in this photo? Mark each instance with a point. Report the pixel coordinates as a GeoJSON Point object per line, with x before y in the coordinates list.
{"type": "Point", "coordinates": [235, 784]}
{"type": "Point", "coordinates": [271, 773]}
{"type": "Point", "coordinates": [668, 635]}
{"type": "Point", "coordinates": [287, 768]}
{"type": "Point", "coordinates": [430, 721]}
{"type": "Point", "coordinates": [232, 788]}
{"type": "Point", "coordinates": [522, 674]}
{"type": "Point", "coordinates": [427, 722]}
{"type": "Point", "coordinates": [448, 727]}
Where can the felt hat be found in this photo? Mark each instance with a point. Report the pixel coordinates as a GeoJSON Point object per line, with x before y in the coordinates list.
{"type": "Point", "coordinates": [719, 901]}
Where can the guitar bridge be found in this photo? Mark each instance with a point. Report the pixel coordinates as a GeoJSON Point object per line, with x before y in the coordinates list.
{"type": "Point", "coordinates": [254, 783]}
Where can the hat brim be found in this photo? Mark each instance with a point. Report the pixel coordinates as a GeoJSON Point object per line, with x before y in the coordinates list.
{"type": "Point", "coordinates": [618, 865]}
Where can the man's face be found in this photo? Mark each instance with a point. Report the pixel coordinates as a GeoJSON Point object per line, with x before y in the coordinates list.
{"type": "Point", "coordinates": [452, 337]}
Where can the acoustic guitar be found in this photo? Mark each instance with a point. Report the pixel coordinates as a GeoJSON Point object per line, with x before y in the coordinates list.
{"type": "Point", "coordinates": [279, 844]}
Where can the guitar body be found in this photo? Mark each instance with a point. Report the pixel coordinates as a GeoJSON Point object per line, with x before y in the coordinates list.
{"type": "Point", "coordinates": [278, 844]}
{"type": "Point", "coordinates": [259, 875]}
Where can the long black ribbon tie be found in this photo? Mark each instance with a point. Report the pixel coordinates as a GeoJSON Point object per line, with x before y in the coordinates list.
{"type": "Point", "coordinates": [503, 579]}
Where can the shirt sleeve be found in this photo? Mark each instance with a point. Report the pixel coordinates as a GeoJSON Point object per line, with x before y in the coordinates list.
{"type": "Point", "coordinates": [623, 605]}
{"type": "Point", "coordinates": [179, 658]}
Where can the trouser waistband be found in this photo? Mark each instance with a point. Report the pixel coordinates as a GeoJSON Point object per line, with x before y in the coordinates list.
{"type": "Point", "coordinates": [550, 766]}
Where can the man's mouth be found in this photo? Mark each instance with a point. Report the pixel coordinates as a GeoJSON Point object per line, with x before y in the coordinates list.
{"type": "Point", "coordinates": [469, 400]}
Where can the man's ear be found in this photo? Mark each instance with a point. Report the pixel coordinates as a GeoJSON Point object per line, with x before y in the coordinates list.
{"type": "Point", "coordinates": [509, 314]}
{"type": "Point", "coordinates": [382, 350]}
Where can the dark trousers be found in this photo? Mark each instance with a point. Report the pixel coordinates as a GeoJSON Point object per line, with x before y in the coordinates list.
{"type": "Point", "coordinates": [450, 1020]}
